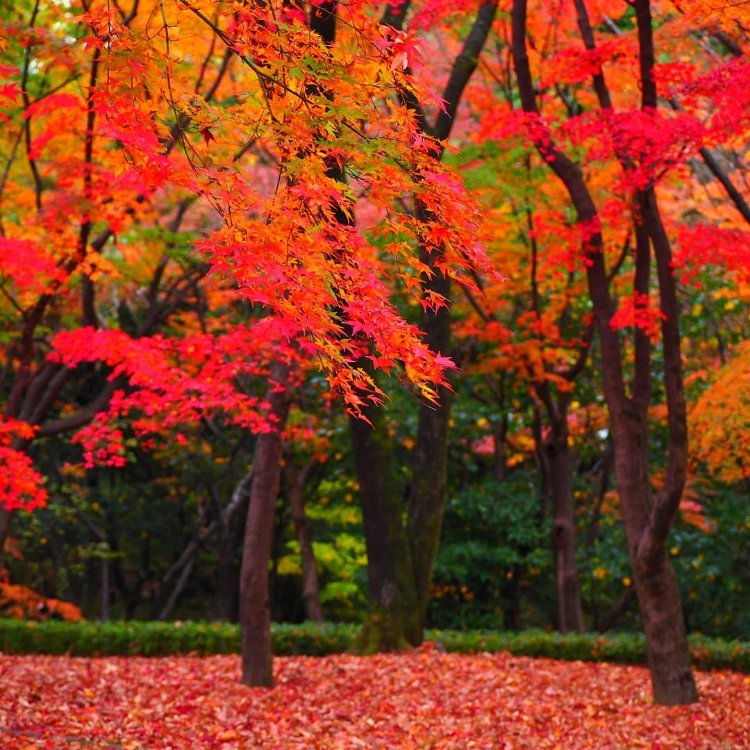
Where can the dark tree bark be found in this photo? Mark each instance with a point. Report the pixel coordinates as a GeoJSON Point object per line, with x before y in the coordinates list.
{"type": "Point", "coordinates": [393, 622]}
{"type": "Point", "coordinates": [296, 481]}
{"type": "Point", "coordinates": [407, 559]}
{"type": "Point", "coordinates": [231, 521]}
{"type": "Point", "coordinates": [429, 482]}
{"type": "Point", "coordinates": [647, 517]}
{"type": "Point", "coordinates": [569, 611]}
{"type": "Point", "coordinates": [255, 610]}
{"type": "Point", "coordinates": [554, 464]}
{"type": "Point", "coordinates": [228, 562]}
{"type": "Point", "coordinates": [656, 582]}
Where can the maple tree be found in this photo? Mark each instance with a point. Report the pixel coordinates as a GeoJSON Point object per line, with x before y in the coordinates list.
{"type": "Point", "coordinates": [647, 521]}
{"type": "Point", "coordinates": [566, 67]}
{"type": "Point", "coordinates": [647, 515]}
{"type": "Point", "coordinates": [302, 211]}
{"type": "Point", "coordinates": [401, 554]}
{"type": "Point", "coordinates": [281, 244]}
{"type": "Point", "coordinates": [530, 333]}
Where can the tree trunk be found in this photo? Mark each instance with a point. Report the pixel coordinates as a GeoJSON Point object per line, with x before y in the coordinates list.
{"type": "Point", "coordinates": [427, 496]}
{"type": "Point", "coordinates": [616, 610]}
{"type": "Point", "coordinates": [666, 641]}
{"type": "Point", "coordinates": [393, 622]}
{"type": "Point", "coordinates": [392, 600]}
{"type": "Point", "coordinates": [655, 581]}
{"type": "Point", "coordinates": [553, 458]}
{"type": "Point", "coordinates": [179, 587]}
{"type": "Point", "coordinates": [401, 556]}
{"type": "Point", "coordinates": [429, 483]}
{"type": "Point", "coordinates": [569, 611]}
{"type": "Point", "coordinates": [255, 611]}
{"type": "Point", "coordinates": [231, 521]}
{"type": "Point", "coordinates": [647, 519]}
{"type": "Point", "coordinates": [227, 568]}
{"type": "Point", "coordinates": [429, 467]}
{"type": "Point", "coordinates": [310, 586]}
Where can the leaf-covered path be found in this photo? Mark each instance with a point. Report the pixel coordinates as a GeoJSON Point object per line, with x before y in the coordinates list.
{"type": "Point", "coordinates": [425, 699]}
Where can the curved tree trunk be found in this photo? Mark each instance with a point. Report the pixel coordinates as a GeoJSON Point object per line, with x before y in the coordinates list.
{"type": "Point", "coordinates": [255, 610]}
{"type": "Point", "coordinates": [654, 578]}
{"type": "Point", "coordinates": [647, 516]}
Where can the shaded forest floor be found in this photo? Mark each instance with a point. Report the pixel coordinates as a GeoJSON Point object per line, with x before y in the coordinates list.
{"type": "Point", "coordinates": [423, 699]}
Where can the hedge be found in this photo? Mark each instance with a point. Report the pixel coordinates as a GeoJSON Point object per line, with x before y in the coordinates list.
{"type": "Point", "coordinates": [202, 638]}
{"type": "Point", "coordinates": [135, 638]}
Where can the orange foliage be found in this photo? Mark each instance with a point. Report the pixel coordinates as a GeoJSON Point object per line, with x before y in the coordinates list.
{"type": "Point", "coordinates": [727, 14]}
{"type": "Point", "coordinates": [190, 184]}
{"type": "Point", "coordinates": [720, 420]}
{"type": "Point", "coordinates": [21, 603]}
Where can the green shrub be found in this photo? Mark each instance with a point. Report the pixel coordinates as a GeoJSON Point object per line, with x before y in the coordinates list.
{"type": "Point", "coordinates": [494, 557]}
{"type": "Point", "coordinates": [163, 638]}
{"type": "Point", "coordinates": [625, 648]}
{"type": "Point", "coordinates": [311, 639]}
{"type": "Point", "coordinates": [618, 648]}
{"type": "Point", "coordinates": [713, 568]}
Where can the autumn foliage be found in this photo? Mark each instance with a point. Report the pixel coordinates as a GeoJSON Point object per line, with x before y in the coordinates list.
{"type": "Point", "coordinates": [21, 603]}
{"type": "Point", "coordinates": [242, 143]}
{"type": "Point", "coordinates": [220, 221]}
{"type": "Point", "coordinates": [424, 699]}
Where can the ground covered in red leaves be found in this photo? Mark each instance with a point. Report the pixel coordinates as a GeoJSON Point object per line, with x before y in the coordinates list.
{"type": "Point", "coordinates": [424, 699]}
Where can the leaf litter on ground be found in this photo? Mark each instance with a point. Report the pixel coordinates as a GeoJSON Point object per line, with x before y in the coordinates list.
{"type": "Point", "coordinates": [421, 699]}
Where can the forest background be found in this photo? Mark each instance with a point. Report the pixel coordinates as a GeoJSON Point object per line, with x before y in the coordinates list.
{"type": "Point", "coordinates": [338, 263]}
